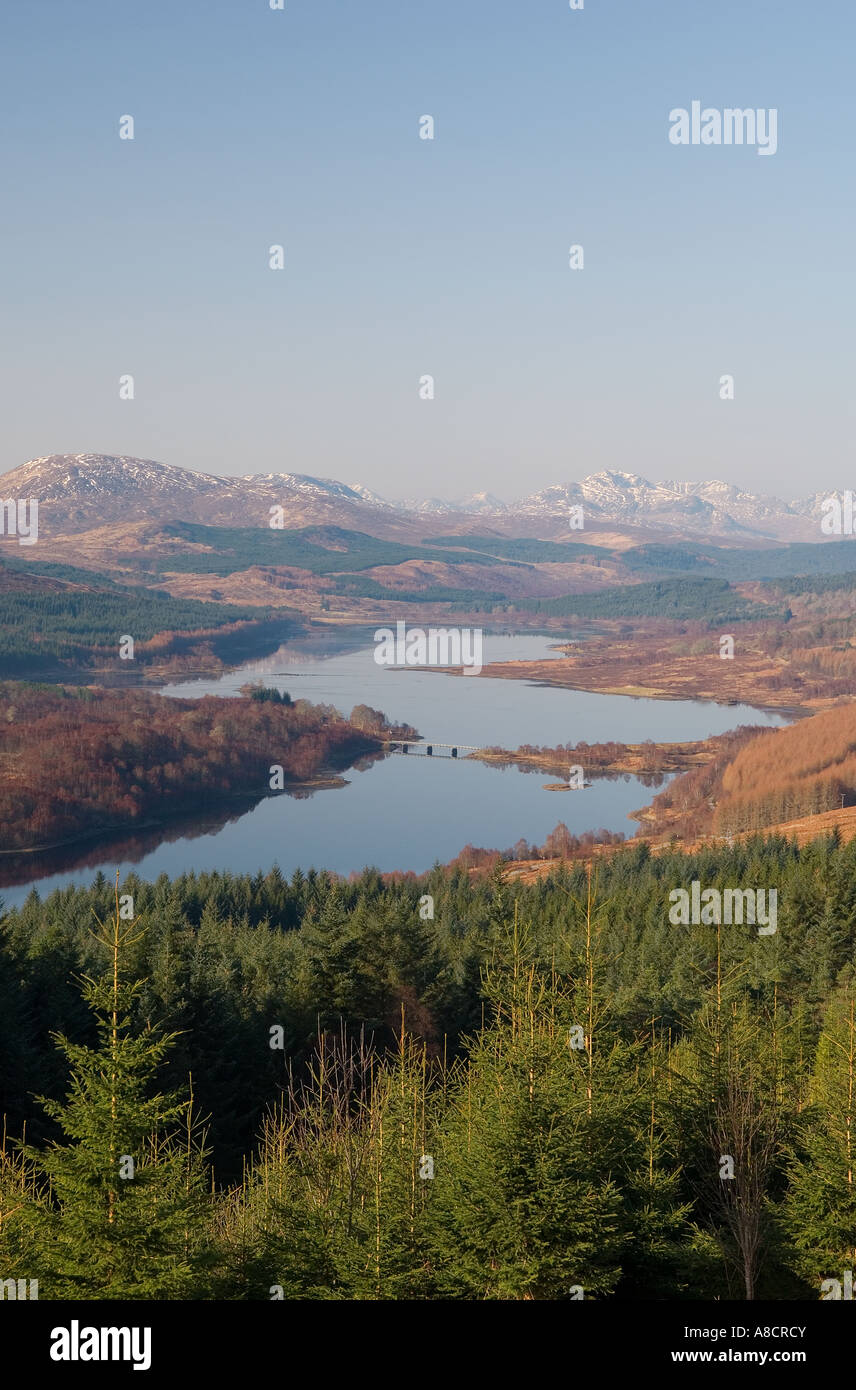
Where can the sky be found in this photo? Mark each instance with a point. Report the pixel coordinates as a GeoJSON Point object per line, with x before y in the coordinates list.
{"type": "Point", "coordinates": [406, 257]}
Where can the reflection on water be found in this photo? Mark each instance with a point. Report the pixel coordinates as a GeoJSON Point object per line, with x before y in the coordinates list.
{"type": "Point", "coordinates": [477, 710]}
{"type": "Point", "coordinates": [401, 812]}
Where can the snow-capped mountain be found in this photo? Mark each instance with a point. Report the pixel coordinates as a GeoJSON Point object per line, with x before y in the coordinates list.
{"type": "Point", "coordinates": [611, 496]}
{"type": "Point", "coordinates": [310, 487]}
{"type": "Point", "coordinates": [81, 491]}
{"type": "Point", "coordinates": [481, 503]}
{"type": "Point", "coordinates": [78, 492]}
{"type": "Point", "coordinates": [368, 496]}
{"type": "Point", "coordinates": [425, 505]}
{"type": "Point", "coordinates": [627, 497]}
{"type": "Point", "coordinates": [103, 475]}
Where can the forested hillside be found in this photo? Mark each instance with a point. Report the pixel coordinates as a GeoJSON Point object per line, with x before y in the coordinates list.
{"type": "Point", "coordinates": [802, 770]}
{"type": "Point", "coordinates": [713, 600]}
{"type": "Point", "coordinates": [77, 760]}
{"type": "Point", "coordinates": [530, 1093]}
{"type": "Point", "coordinates": [764, 778]}
{"type": "Point", "coordinates": [316, 549]}
{"type": "Point", "coordinates": [55, 617]}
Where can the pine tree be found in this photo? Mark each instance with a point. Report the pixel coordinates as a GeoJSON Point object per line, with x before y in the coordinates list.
{"type": "Point", "coordinates": [735, 1085]}
{"type": "Point", "coordinates": [302, 1224]}
{"type": "Point", "coordinates": [820, 1211]}
{"type": "Point", "coordinates": [400, 1175]}
{"type": "Point", "coordinates": [18, 1193]}
{"type": "Point", "coordinates": [524, 1204]}
{"type": "Point", "coordinates": [665, 1251]}
{"type": "Point", "coordinates": [117, 1210]}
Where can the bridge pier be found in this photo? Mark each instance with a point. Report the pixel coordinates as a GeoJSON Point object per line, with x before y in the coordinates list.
{"type": "Point", "coordinates": [424, 749]}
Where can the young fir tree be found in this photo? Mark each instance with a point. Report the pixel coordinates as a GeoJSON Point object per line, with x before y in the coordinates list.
{"type": "Point", "coordinates": [820, 1210]}
{"type": "Point", "coordinates": [117, 1210]}
{"type": "Point", "coordinates": [525, 1205]}
{"type": "Point", "coordinates": [659, 1248]}
{"type": "Point", "coordinates": [292, 1230]}
{"type": "Point", "coordinates": [665, 1254]}
{"type": "Point", "coordinates": [736, 1088]}
{"type": "Point", "coordinates": [391, 1260]}
{"type": "Point", "coordinates": [18, 1194]}
{"type": "Point", "coordinates": [335, 1207]}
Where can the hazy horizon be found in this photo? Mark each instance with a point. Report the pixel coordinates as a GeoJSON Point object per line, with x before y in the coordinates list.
{"type": "Point", "coordinates": [449, 257]}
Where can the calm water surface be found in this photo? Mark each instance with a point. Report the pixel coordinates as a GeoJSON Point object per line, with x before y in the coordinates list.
{"type": "Point", "coordinates": [403, 812]}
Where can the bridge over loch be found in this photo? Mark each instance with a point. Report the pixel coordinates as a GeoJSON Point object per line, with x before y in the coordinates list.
{"type": "Point", "coordinates": [425, 748]}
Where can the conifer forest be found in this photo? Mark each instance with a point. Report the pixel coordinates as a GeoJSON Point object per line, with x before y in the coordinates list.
{"type": "Point", "coordinates": [317, 1088]}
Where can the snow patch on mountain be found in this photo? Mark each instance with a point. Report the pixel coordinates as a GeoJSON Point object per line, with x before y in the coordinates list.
{"type": "Point", "coordinates": [92, 489]}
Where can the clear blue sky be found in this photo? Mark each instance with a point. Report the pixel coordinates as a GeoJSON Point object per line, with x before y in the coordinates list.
{"type": "Point", "coordinates": [406, 257]}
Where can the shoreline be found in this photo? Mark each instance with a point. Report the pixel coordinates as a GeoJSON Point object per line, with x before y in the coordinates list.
{"type": "Point", "coordinates": [544, 674]}
{"type": "Point", "coordinates": [524, 670]}
{"type": "Point", "coordinates": [322, 781]}
{"type": "Point", "coordinates": [331, 783]}
{"type": "Point", "coordinates": [672, 757]}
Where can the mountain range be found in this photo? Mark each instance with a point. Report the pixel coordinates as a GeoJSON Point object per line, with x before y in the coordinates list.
{"type": "Point", "coordinates": [77, 492]}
